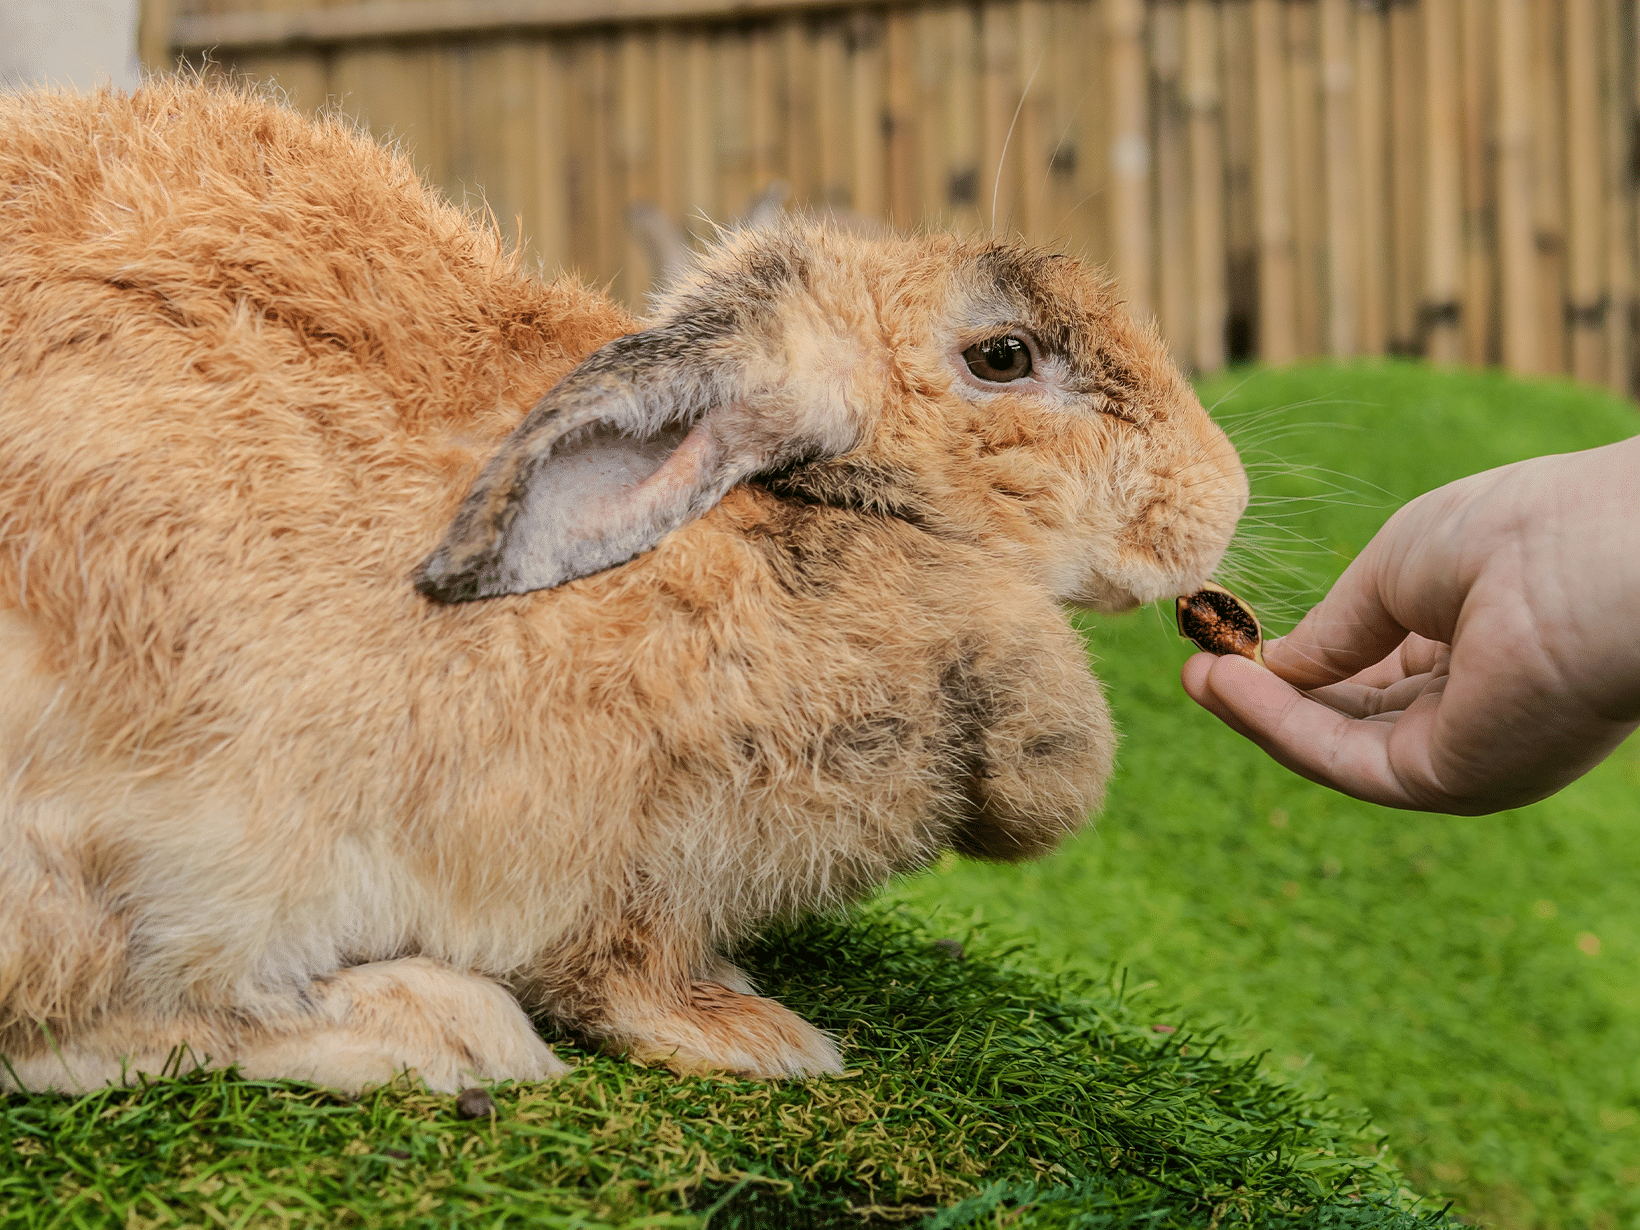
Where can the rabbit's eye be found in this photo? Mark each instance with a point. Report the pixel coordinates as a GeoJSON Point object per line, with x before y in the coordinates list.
{"type": "Point", "coordinates": [999, 360]}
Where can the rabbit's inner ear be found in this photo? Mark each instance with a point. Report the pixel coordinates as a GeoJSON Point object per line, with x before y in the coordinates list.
{"type": "Point", "coordinates": [598, 499]}
{"type": "Point", "coordinates": [604, 499]}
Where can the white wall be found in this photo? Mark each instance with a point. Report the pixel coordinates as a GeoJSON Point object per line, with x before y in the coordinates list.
{"type": "Point", "coordinates": [75, 43]}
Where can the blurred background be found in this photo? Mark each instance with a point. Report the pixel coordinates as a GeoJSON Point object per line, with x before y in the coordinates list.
{"type": "Point", "coordinates": [1273, 179]}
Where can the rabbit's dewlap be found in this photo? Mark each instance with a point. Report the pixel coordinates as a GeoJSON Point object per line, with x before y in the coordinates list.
{"type": "Point", "coordinates": [759, 605]}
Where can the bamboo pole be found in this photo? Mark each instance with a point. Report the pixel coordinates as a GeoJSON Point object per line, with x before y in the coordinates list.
{"type": "Point", "coordinates": [1277, 290]}
{"type": "Point", "coordinates": [605, 230]}
{"type": "Point", "coordinates": [1034, 73]}
{"type": "Point", "coordinates": [1088, 124]}
{"type": "Point", "coordinates": [1406, 145]}
{"type": "Point", "coordinates": [1343, 264]}
{"type": "Point", "coordinates": [802, 131]}
{"type": "Point", "coordinates": [1620, 253]}
{"type": "Point", "coordinates": [671, 105]}
{"type": "Point", "coordinates": [1241, 231]}
{"type": "Point", "coordinates": [1372, 174]}
{"type": "Point", "coordinates": [699, 178]}
{"type": "Point", "coordinates": [1585, 232]}
{"type": "Point", "coordinates": [932, 46]}
{"type": "Point", "coordinates": [1307, 180]}
{"type": "Point", "coordinates": [962, 120]}
{"type": "Point", "coordinates": [830, 98]}
{"type": "Point", "coordinates": [1442, 306]}
{"type": "Point", "coordinates": [1069, 119]}
{"type": "Point", "coordinates": [763, 127]}
{"type": "Point", "coordinates": [1480, 343]}
{"type": "Point", "coordinates": [901, 119]}
{"type": "Point", "coordinates": [583, 240]}
{"type": "Point", "coordinates": [1517, 259]}
{"type": "Point", "coordinates": [1207, 220]}
{"type": "Point", "coordinates": [512, 180]}
{"type": "Point", "coordinates": [154, 24]}
{"type": "Point", "coordinates": [1632, 50]}
{"type": "Point", "coordinates": [737, 188]}
{"type": "Point", "coordinates": [635, 67]}
{"type": "Point", "coordinates": [1130, 154]}
{"type": "Point", "coordinates": [869, 146]}
{"type": "Point", "coordinates": [1548, 96]}
{"type": "Point", "coordinates": [551, 178]}
{"type": "Point", "coordinates": [501, 135]}
{"type": "Point", "coordinates": [999, 106]}
{"type": "Point", "coordinates": [1175, 312]}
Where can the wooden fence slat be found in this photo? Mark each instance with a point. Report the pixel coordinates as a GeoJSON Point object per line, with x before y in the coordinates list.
{"type": "Point", "coordinates": [1174, 291]}
{"type": "Point", "coordinates": [636, 113]}
{"type": "Point", "coordinates": [1068, 118]}
{"type": "Point", "coordinates": [867, 70]}
{"type": "Point", "coordinates": [551, 175]}
{"type": "Point", "coordinates": [832, 115]}
{"type": "Point", "coordinates": [737, 188]}
{"type": "Point", "coordinates": [999, 107]}
{"type": "Point", "coordinates": [1547, 85]}
{"type": "Point", "coordinates": [1617, 128]}
{"type": "Point", "coordinates": [699, 179]}
{"type": "Point", "coordinates": [1207, 222]}
{"type": "Point", "coordinates": [1585, 223]}
{"type": "Point", "coordinates": [802, 132]}
{"type": "Point", "coordinates": [1277, 270]}
{"type": "Point", "coordinates": [1342, 265]}
{"type": "Point", "coordinates": [1517, 257]}
{"type": "Point", "coordinates": [1306, 175]}
{"type": "Point", "coordinates": [963, 176]}
{"type": "Point", "coordinates": [1129, 110]}
{"type": "Point", "coordinates": [1441, 310]}
{"type": "Point", "coordinates": [1480, 341]}
{"type": "Point", "coordinates": [1031, 128]}
{"type": "Point", "coordinates": [1374, 261]}
{"type": "Point", "coordinates": [1241, 231]}
{"type": "Point", "coordinates": [901, 119]}
{"type": "Point", "coordinates": [1406, 148]}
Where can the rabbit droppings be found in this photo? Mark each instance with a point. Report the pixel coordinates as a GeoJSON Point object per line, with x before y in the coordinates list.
{"type": "Point", "coordinates": [329, 754]}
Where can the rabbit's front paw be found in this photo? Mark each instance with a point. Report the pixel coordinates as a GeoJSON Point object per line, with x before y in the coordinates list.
{"type": "Point", "coordinates": [370, 1022]}
{"type": "Point", "coordinates": [714, 1029]}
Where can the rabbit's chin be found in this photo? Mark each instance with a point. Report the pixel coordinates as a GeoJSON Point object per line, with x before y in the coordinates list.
{"type": "Point", "coordinates": [1108, 597]}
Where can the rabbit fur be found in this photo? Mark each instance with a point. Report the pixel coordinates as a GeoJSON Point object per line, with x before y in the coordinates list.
{"type": "Point", "coordinates": [263, 802]}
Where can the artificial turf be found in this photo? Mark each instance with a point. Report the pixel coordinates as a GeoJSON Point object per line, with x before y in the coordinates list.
{"type": "Point", "coordinates": [980, 1094]}
{"type": "Point", "coordinates": [1473, 983]}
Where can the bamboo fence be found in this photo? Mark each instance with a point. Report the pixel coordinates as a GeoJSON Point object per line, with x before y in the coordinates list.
{"type": "Point", "coordinates": [1271, 179]}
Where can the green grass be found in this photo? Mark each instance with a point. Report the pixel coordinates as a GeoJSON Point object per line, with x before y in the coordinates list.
{"type": "Point", "coordinates": [1425, 968]}
{"type": "Point", "coordinates": [978, 1088]}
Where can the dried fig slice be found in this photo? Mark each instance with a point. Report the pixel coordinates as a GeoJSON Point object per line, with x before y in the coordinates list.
{"type": "Point", "coordinates": [1219, 622]}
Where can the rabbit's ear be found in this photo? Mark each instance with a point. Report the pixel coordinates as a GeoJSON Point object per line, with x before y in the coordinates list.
{"type": "Point", "coordinates": [644, 436]}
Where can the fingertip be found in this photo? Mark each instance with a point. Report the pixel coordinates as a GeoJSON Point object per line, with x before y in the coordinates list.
{"type": "Point", "coordinates": [1193, 675]}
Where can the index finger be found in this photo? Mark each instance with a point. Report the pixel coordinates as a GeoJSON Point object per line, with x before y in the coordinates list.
{"type": "Point", "coordinates": [1346, 632]}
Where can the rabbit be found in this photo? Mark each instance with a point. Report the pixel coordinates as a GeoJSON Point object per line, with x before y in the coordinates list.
{"type": "Point", "coordinates": [360, 717]}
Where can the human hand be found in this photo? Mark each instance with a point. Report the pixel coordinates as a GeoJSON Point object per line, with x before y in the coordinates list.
{"type": "Point", "coordinates": [1479, 654]}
